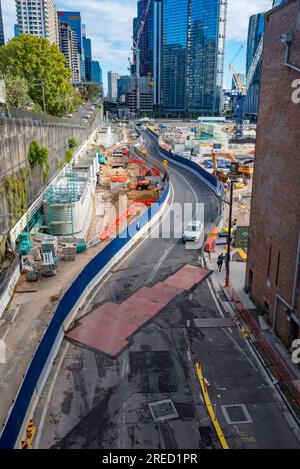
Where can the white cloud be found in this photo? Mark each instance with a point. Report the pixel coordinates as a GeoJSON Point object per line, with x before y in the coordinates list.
{"type": "Point", "coordinates": [239, 12]}
{"type": "Point", "coordinates": [109, 24]}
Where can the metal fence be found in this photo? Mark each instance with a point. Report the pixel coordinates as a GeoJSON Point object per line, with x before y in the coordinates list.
{"type": "Point", "coordinates": [281, 368]}
{"type": "Point", "coordinates": [50, 340]}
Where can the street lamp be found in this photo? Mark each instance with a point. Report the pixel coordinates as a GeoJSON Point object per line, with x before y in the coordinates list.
{"type": "Point", "coordinates": [40, 82]}
{"type": "Point", "coordinates": [229, 235]}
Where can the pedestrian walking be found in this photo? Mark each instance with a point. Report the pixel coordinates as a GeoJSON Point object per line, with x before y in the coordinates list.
{"type": "Point", "coordinates": [220, 261]}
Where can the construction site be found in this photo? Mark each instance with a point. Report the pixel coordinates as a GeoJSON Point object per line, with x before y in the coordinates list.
{"type": "Point", "coordinates": [90, 202]}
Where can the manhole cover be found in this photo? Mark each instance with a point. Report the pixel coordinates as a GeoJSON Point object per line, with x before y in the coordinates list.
{"type": "Point", "coordinates": [163, 410]}
{"type": "Point", "coordinates": [236, 414]}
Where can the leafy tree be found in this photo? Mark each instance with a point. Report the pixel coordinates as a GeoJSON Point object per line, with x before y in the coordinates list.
{"type": "Point", "coordinates": [17, 92]}
{"type": "Point", "coordinates": [90, 91]}
{"type": "Point", "coordinates": [73, 143]}
{"type": "Point", "coordinates": [68, 156]}
{"type": "Point", "coordinates": [37, 156]}
{"type": "Point", "coordinates": [43, 66]}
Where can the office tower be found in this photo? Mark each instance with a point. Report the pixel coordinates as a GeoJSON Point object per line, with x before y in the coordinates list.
{"type": "Point", "coordinates": [193, 56]}
{"type": "Point", "coordinates": [124, 87]}
{"type": "Point", "coordinates": [87, 49]}
{"type": "Point", "coordinates": [112, 86]}
{"type": "Point", "coordinates": [147, 41]}
{"type": "Point", "coordinates": [157, 47]}
{"type": "Point", "coordinates": [96, 72]}
{"type": "Point", "coordinates": [73, 19]}
{"type": "Point", "coordinates": [16, 30]}
{"type": "Point", "coordinates": [1, 27]}
{"type": "Point", "coordinates": [69, 47]}
{"type": "Point", "coordinates": [255, 33]}
{"type": "Point", "coordinates": [38, 18]}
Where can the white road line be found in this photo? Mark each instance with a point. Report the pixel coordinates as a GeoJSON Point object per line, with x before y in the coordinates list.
{"type": "Point", "coordinates": [241, 350]}
{"type": "Point", "coordinates": [156, 268]}
{"type": "Point", "coordinates": [51, 389]}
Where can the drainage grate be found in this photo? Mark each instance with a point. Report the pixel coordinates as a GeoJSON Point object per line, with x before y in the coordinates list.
{"type": "Point", "coordinates": [236, 414]}
{"type": "Point", "coordinates": [162, 411]}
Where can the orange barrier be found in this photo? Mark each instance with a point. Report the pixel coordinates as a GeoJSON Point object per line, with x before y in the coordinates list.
{"type": "Point", "coordinates": [283, 371]}
{"type": "Point", "coordinates": [111, 229]}
{"type": "Point", "coordinates": [210, 245]}
{"type": "Point", "coordinates": [118, 179]}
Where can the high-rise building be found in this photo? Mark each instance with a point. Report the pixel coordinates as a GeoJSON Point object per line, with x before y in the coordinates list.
{"type": "Point", "coordinates": [1, 28]}
{"type": "Point", "coordinates": [193, 56]}
{"type": "Point", "coordinates": [38, 18]}
{"type": "Point", "coordinates": [96, 72]}
{"type": "Point", "coordinates": [255, 33]}
{"type": "Point", "coordinates": [278, 2]}
{"type": "Point", "coordinates": [273, 266]}
{"type": "Point", "coordinates": [157, 48]}
{"type": "Point", "coordinates": [69, 47]}
{"type": "Point", "coordinates": [113, 78]}
{"type": "Point", "coordinates": [87, 48]}
{"type": "Point", "coordinates": [73, 19]}
{"type": "Point", "coordinates": [125, 85]}
{"type": "Point", "coordinates": [147, 40]}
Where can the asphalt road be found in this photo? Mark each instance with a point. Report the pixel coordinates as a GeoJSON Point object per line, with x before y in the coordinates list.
{"type": "Point", "coordinates": [92, 401]}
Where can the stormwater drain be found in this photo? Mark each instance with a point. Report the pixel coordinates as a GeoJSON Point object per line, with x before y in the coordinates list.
{"type": "Point", "coordinates": [236, 414]}
{"type": "Point", "coordinates": [162, 411]}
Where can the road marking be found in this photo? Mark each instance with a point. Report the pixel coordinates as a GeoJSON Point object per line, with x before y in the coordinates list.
{"type": "Point", "coordinates": [161, 260]}
{"type": "Point", "coordinates": [240, 350]}
{"type": "Point", "coordinates": [51, 389]}
{"type": "Point", "coordinates": [210, 408]}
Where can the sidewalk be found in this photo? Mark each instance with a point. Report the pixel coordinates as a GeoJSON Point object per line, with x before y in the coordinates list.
{"type": "Point", "coordinates": [237, 279]}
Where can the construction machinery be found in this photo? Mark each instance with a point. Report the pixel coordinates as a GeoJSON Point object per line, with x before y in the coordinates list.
{"type": "Point", "coordinates": [241, 89]}
{"type": "Point", "coordinates": [136, 52]}
{"type": "Point", "coordinates": [142, 184]}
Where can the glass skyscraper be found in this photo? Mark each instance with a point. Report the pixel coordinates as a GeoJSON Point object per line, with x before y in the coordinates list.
{"type": "Point", "coordinates": [255, 33]}
{"type": "Point", "coordinates": [73, 18]}
{"type": "Point", "coordinates": [1, 28]}
{"type": "Point", "coordinates": [193, 41]}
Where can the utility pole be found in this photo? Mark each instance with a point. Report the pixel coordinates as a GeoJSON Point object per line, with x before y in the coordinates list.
{"type": "Point", "coordinates": [44, 98]}
{"type": "Point", "coordinates": [229, 235]}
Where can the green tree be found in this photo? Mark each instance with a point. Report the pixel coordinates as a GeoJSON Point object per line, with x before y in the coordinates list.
{"type": "Point", "coordinates": [43, 66]}
{"type": "Point", "coordinates": [17, 92]}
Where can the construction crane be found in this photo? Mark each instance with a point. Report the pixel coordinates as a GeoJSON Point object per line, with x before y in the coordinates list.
{"type": "Point", "coordinates": [241, 89]}
{"type": "Point", "coordinates": [136, 50]}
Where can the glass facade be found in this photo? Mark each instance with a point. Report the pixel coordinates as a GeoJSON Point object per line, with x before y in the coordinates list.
{"type": "Point", "coordinates": [193, 55]}
{"type": "Point", "coordinates": [96, 72]}
{"type": "Point", "coordinates": [174, 47]}
{"type": "Point", "coordinates": [255, 33]}
{"type": "Point", "coordinates": [87, 49]}
{"type": "Point", "coordinates": [73, 18]}
{"type": "Point", "coordinates": [1, 28]}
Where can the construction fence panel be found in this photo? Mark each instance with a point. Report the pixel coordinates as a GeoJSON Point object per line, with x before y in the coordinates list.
{"type": "Point", "coordinates": [36, 368]}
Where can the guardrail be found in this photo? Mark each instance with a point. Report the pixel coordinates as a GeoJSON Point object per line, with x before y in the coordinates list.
{"type": "Point", "coordinates": [282, 370]}
{"type": "Point", "coordinates": [209, 179]}
{"type": "Point", "coordinates": [41, 364]}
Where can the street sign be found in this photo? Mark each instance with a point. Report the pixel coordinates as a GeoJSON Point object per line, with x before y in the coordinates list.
{"type": "Point", "coordinates": [166, 163]}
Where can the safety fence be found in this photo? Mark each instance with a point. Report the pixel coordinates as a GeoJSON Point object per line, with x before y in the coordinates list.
{"type": "Point", "coordinates": [209, 179]}
{"type": "Point", "coordinates": [42, 361]}
{"type": "Point", "coordinates": [284, 373]}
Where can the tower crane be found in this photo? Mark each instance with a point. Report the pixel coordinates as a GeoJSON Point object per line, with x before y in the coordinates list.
{"type": "Point", "coordinates": [136, 50]}
{"type": "Point", "coordinates": [241, 89]}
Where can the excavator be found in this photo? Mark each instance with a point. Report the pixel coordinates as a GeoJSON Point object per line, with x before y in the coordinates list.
{"type": "Point", "coordinates": [243, 171]}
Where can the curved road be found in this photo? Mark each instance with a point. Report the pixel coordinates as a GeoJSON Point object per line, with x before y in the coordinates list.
{"type": "Point", "coordinates": [92, 401]}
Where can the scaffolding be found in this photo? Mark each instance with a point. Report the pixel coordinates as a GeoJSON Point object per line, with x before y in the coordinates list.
{"type": "Point", "coordinates": [60, 200]}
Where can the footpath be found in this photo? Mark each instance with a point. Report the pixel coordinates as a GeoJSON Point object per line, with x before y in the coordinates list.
{"type": "Point", "coordinates": [276, 356]}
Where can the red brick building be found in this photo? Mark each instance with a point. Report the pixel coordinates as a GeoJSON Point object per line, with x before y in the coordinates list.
{"type": "Point", "coordinates": [274, 254]}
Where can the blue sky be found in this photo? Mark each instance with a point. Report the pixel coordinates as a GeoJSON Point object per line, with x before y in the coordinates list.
{"type": "Point", "coordinates": [109, 25]}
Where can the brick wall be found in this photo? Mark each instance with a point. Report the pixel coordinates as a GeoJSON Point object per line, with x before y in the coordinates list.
{"type": "Point", "coordinates": [275, 214]}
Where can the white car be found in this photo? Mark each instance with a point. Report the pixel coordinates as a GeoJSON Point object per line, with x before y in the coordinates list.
{"type": "Point", "coordinates": [193, 231]}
